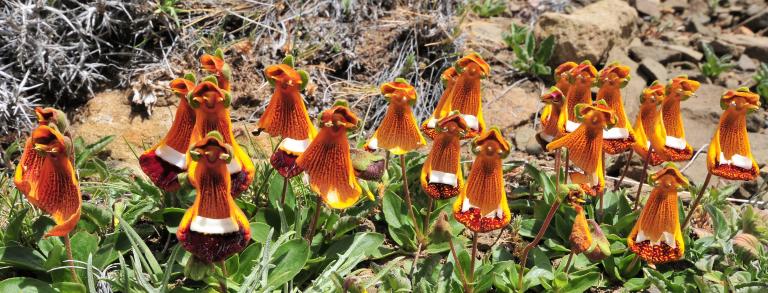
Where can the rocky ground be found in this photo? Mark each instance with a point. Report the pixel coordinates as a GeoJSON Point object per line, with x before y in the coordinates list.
{"type": "Point", "coordinates": [348, 55]}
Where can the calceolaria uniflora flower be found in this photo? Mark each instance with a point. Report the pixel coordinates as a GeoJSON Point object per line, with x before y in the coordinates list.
{"type": "Point", "coordinates": [657, 237]}
{"type": "Point", "coordinates": [327, 160]}
{"type": "Point", "coordinates": [211, 105]}
{"type": "Point", "coordinates": [466, 95]}
{"type": "Point", "coordinates": [482, 204]}
{"type": "Point", "coordinates": [585, 145]}
{"type": "Point", "coordinates": [587, 237]}
{"type": "Point", "coordinates": [649, 128]}
{"type": "Point", "coordinates": [679, 89]}
{"type": "Point", "coordinates": [443, 107]}
{"type": "Point", "coordinates": [286, 116]}
{"type": "Point", "coordinates": [441, 176]}
{"type": "Point", "coordinates": [398, 131]}
{"type": "Point", "coordinates": [46, 176]}
{"type": "Point", "coordinates": [552, 117]}
{"type": "Point", "coordinates": [214, 64]}
{"type": "Point", "coordinates": [730, 155]}
{"type": "Point", "coordinates": [579, 91]}
{"type": "Point", "coordinates": [213, 228]}
{"type": "Point", "coordinates": [611, 80]}
{"type": "Point", "coordinates": [167, 159]}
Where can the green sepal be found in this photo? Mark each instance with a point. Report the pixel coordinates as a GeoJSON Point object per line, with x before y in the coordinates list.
{"type": "Point", "coordinates": [577, 111]}
{"type": "Point", "coordinates": [723, 105]}
{"type": "Point", "coordinates": [192, 102]}
{"type": "Point", "coordinates": [401, 80]}
{"type": "Point", "coordinates": [341, 102]}
{"type": "Point", "coordinates": [227, 99]}
{"type": "Point", "coordinates": [197, 270]}
{"type": "Point", "coordinates": [625, 82]}
{"type": "Point", "coordinates": [212, 79]}
{"type": "Point", "coordinates": [194, 155]}
{"type": "Point", "coordinates": [459, 69]}
{"type": "Point", "coordinates": [219, 53]}
{"type": "Point", "coordinates": [304, 79]}
{"type": "Point", "coordinates": [289, 60]}
{"type": "Point", "coordinates": [743, 90]}
{"type": "Point", "coordinates": [215, 134]}
{"type": "Point", "coordinates": [227, 72]}
{"type": "Point", "coordinates": [191, 77]}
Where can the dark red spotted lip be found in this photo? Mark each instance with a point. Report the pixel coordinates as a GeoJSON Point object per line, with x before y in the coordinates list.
{"type": "Point", "coordinates": [285, 164]}
{"type": "Point", "coordinates": [214, 247]}
{"type": "Point", "coordinates": [477, 223]}
{"type": "Point", "coordinates": [163, 174]}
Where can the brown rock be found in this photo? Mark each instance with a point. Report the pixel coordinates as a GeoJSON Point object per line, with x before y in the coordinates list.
{"type": "Point", "coordinates": [589, 32]}
{"type": "Point", "coordinates": [653, 70]}
{"type": "Point", "coordinates": [754, 46]}
{"type": "Point", "coordinates": [634, 88]}
{"type": "Point", "coordinates": [651, 8]}
{"type": "Point", "coordinates": [509, 107]}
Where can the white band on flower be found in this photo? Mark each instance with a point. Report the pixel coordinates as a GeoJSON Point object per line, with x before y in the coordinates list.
{"type": "Point", "coordinates": [471, 121]}
{"type": "Point", "coordinates": [736, 160]}
{"type": "Point", "coordinates": [443, 177]}
{"type": "Point", "coordinates": [432, 122]}
{"type": "Point", "coordinates": [234, 166]}
{"type": "Point", "coordinates": [171, 156]}
{"type": "Point", "coordinates": [373, 143]}
{"type": "Point", "coordinates": [466, 205]}
{"type": "Point", "coordinates": [675, 142]}
{"type": "Point", "coordinates": [571, 126]}
{"type": "Point", "coordinates": [616, 133]}
{"type": "Point", "coordinates": [213, 226]}
{"type": "Point", "coordinates": [294, 146]}
{"type": "Point", "coordinates": [666, 237]}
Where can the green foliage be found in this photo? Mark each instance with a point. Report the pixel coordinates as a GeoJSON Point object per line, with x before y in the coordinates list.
{"type": "Point", "coordinates": [713, 65]}
{"type": "Point", "coordinates": [529, 58]}
{"type": "Point", "coordinates": [761, 78]}
{"type": "Point", "coordinates": [489, 8]}
{"type": "Point", "coordinates": [125, 241]}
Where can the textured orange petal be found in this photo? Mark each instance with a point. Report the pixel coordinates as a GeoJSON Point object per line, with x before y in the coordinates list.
{"type": "Point", "coordinates": [48, 179]}
{"type": "Point", "coordinates": [444, 157]}
{"type": "Point", "coordinates": [482, 205]}
{"type": "Point", "coordinates": [563, 75]}
{"type": "Point", "coordinates": [466, 96]}
{"type": "Point", "coordinates": [731, 140]}
{"type": "Point", "coordinates": [329, 167]}
{"type": "Point", "coordinates": [581, 237]}
{"type": "Point", "coordinates": [214, 227]}
{"type": "Point", "coordinates": [398, 131]}
{"type": "Point", "coordinates": [659, 224]}
{"type": "Point", "coordinates": [679, 89]}
{"type": "Point", "coordinates": [213, 115]}
{"type": "Point", "coordinates": [286, 115]}
{"type": "Point", "coordinates": [612, 79]}
{"type": "Point", "coordinates": [218, 67]}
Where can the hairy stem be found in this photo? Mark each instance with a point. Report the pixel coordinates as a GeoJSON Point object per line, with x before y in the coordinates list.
{"type": "Point", "coordinates": [696, 201]}
{"type": "Point", "coordinates": [285, 189]}
{"type": "Point", "coordinates": [624, 172]}
{"type": "Point", "coordinates": [472, 262]}
{"type": "Point", "coordinates": [68, 247]}
{"type": "Point", "coordinates": [313, 222]}
{"type": "Point", "coordinates": [408, 201]}
{"type": "Point", "coordinates": [462, 276]}
{"type": "Point", "coordinates": [643, 177]}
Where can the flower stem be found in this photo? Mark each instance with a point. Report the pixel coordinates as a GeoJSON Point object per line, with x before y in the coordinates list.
{"type": "Point", "coordinates": [567, 164]}
{"type": "Point", "coordinates": [643, 177]}
{"type": "Point", "coordinates": [285, 188]}
{"type": "Point", "coordinates": [472, 262]}
{"type": "Point", "coordinates": [313, 222]}
{"type": "Point", "coordinates": [413, 265]}
{"type": "Point", "coordinates": [408, 201]}
{"type": "Point", "coordinates": [429, 213]}
{"type": "Point", "coordinates": [624, 172]}
{"type": "Point", "coordinates": [462, 276]}
{"type": "Point", "coordinates": [68, 247]}
{"type": "Point", "coordinates": [696, 201]}
{"type": "Point", "coordinates": [536, 240]}
{"type": "Point", "coordinates": [632, 265]}
{"type": "Point", "coordinates": [568, 263]}
{"type": "Point", "coordinates": [223, 280]}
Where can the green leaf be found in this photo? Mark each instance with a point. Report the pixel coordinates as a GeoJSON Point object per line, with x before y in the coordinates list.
{"type": "Point", "coordinates": [69, 287]}
{"type": "Point", "coordinates": [25, 285]}
{"type": "Point", "coordinates": [13, 230]}
{"type": "Point", "coordinates": [24, 258]}
{"type": "Point", "coordinates": [546, 48]}
{"type": "Point", "coordinates": [288, 259]}
{"type": "Point", "coordinates": [722, 231]}
{"type": "Point", "coordinates": [259, 232]}
{"type": "Point", "coordinates": [91, 149]}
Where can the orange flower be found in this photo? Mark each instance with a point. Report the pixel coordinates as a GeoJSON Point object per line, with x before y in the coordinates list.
{"type": "Point", "coordinates": [611, 80]}
{"type": "Point", "coordinates": [167, 159]}
{"type": "Point", "coordinates": [657, 237]}
{"type": "Point", "coordinates": [214, 64]}
{"type": "Point", "coordinates": [211, 106]}
{"type": "Point", "coordinates": [679, 89]}
{"type": "Point", "coordinates": [563, 75]}
{"type": "Point", "coordinates": [649, 130]}
{"type": "Point", "coordinates": [579, 91]}
{"type": "Point", "coordinates": [443, 105]}
{"type": "Point", "coordinates": [552, 116]}
{"type": "Point", "coordinates": [286, 116]}
{"type": "Point", "coordinates": [46, 176]}
{"type": "Point", "coordinates": [398, 132]}
{"type": "Point", "coordinates": [52, 117]}
{"type": "Point", "coordinates": [441, 173]}
{"type": "Point", "coordinates": [730, 155]}
{"type": "Point", "coordinates": [213, 228]}
{"type": "Point", "coordinates": [327, 160]}
{"type": "Point", "coordinates": [466, 95]}
{"type": "Point", "coordinates": [482, 205]}
{"type": "Point", "coordinates": [581, 237]}
{"type": "Point", "coordinates": [585, 145]}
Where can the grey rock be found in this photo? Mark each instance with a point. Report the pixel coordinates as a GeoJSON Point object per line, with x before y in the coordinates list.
{"type": "Point", "coordinates": [589, 32]}
{"type": "Point", "coordinates": [756, 121]}
{"type": "Point", "coordinates": [694, 74]}
{"type": "Point", "coordinates": [653, 70]}
{"type": "Point", "coordinates": [648, 7]}
{"type": "Point", "coordinates": [697, 24]}
{"type": "Point", "coordinates": [676, 5]}
{"type": "Point", "coordinates": [722, 47]}
{"type": "Point", "coordinates": [687, 53]}
{"type": "Point", "coordinates": [754, 46]}
{"type": "Point", "coordinates": [663, 55]}
{"type": "Point", "coordinates": [747, 64]}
